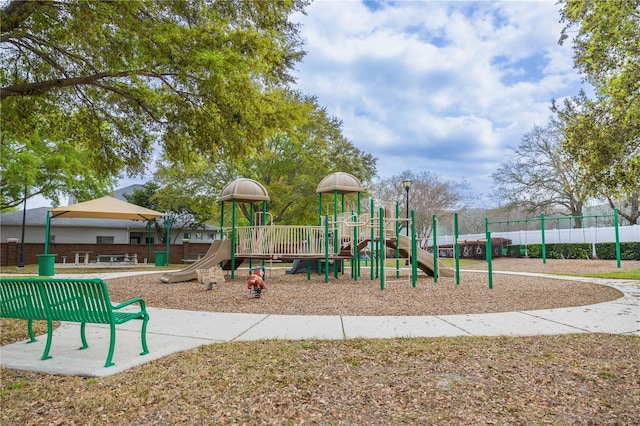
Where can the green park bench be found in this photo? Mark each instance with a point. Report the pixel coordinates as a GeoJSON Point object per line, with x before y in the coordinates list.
{"type": "Point", "coordinates": [66, 299]}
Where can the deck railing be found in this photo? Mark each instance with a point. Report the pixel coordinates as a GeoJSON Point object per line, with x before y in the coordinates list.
{"type": "Point", "coordinates": [283, 240]}
{"type": "Point", "coordinates": [310, 241]}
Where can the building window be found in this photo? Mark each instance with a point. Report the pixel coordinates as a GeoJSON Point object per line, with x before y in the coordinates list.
{"type": "Point", "coordinates": [187, 236]}
{"type": "Point", "coordinates": [104, 240]}
{"type": "Point", "coordinates": [211, 236]}
{"type": "Point", "coordinates": [148, 240]}
{"type": "Point", "coordinates": [198, 236]}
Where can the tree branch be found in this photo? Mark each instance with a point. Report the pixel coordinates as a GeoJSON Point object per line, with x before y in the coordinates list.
{"type": "Point", "coordinates": [42, 87]}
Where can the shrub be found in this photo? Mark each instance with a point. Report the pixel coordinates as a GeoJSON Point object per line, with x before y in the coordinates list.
{"type": "Point", "coordinates": [606, 251]}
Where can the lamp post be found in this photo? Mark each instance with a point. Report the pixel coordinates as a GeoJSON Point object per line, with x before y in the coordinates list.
{"type": "Point", "coordinates": [407, 184]}
{"type": "Point", "coordinates": [24, 220]}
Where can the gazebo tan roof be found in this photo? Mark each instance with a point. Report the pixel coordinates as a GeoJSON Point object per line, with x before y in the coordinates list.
{"type": "Point", "coordinates": [340, 182]}
{"type": "Point", "coordinates": [244, 190]}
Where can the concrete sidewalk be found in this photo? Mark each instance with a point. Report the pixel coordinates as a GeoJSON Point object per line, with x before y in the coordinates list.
{"type": "Point", "coordinates": [170, 331]}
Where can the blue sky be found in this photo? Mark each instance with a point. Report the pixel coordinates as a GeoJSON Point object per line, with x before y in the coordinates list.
{"type": "Point", "coordinates": [438, 86]}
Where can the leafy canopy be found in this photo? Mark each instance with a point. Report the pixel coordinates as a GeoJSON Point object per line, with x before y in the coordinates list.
{"type": "Point", "coordinates": [604, 133]}
{"type": "Point", "coordinates": [101, 83]}
{"type": "Point", "coordinates": [290, 165]}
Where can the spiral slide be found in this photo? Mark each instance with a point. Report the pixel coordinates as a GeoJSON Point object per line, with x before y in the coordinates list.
{"type": "Point", "coordinates": [219, 251]}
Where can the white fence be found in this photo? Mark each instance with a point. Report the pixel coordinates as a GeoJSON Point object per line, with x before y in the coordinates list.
{"type": "Point", "coordinates": [627, 234]}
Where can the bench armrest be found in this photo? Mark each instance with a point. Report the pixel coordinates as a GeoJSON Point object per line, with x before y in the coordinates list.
{"type": "Point", "coordinates": [131, 302]}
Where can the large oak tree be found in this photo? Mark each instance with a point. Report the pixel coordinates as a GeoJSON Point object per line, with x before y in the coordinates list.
{"type": "Point", "coordinates": [89, 88]}
{"type": "Point", "coordinates": [290, 164]}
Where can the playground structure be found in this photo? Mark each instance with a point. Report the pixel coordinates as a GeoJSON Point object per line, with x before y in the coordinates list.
{"type": "Point", "coordinates": [338, 238]}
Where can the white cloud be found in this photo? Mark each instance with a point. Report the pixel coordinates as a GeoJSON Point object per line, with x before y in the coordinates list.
{"type": "Point", "coordinates": [438, 86]}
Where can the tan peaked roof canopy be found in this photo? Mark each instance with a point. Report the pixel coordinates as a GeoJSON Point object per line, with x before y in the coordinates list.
{"type": "Point", "coordinates": [340, 182]}
{"type": "Point", "coordinates": [244, 190]}
{"type": "Point", "coordinates": [106, 208]}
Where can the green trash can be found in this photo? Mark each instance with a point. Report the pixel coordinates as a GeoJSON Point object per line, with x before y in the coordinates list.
{"type": "Point", "coordinates": [161, 258]}
{"type": "Point", "coordinates": [46, 265]}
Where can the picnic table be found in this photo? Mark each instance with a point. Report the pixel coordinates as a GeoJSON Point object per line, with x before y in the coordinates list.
{"type": "Point", "coordinates": [117, 258]}
{"type": "Point", "coordinates": [85, 253]}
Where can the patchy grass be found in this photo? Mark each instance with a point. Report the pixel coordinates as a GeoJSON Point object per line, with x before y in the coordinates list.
{"type": "Point", "coordinates": [621, 274]}
{"type": "Point", "coordinates": [14, 330]}
{"type": "Point", "coordinates": [628, 274]}
{"type": "Point", "coordinates": [454, 381]}
{"type": "Point", "coordinates": [451, 263]}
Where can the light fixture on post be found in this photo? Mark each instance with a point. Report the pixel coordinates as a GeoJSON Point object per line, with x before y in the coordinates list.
{"type": "Point", "coordinates": [407, 184]}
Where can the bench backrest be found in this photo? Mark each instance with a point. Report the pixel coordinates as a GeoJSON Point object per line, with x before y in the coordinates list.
{"type": "Point", "coordinates": [81, 300]}
{"type": "Point", "coordinates": [21, 298]}
{"type": "Point", "coordinates": [66, 299]}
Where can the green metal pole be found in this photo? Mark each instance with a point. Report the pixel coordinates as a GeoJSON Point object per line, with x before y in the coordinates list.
{"type": "Point", "coordinates": [326, 249]}
{"type": "Point", "coordinates": [264, 224]}
{"type": "Point", "coordinates": [544, 246]}
{"type": "Point", "coordinates": [233, 239]}
{"type": "Point", "coordinates": [414, 250]}
{"type": "Point", "coordinates": [381, 248]}
{"type": "Point", "coordinates": [308, 261]}
{"type": "Point", "coordinates": [148, 241]}
{"type": "Point", "coordinates": [617, 232]}
{"type": "Point", "coordinates": [372, 241]}
{"type": "Point", "coordinates": [456, 247]}
{"type": "Point", "coordinates": [488, 252]}
{"type": "Point", "coordinates": [318, 261]}
{"type": "Point", "coordinates": [358, 220]}
{"type": "Point", "coordinates": [434, 225]}
{"type": "Point", "coordinates": [251, 224]}
{"type": "Point", "coordinates": [335, 230]}
{"type": "Point", "coordinates": [47, 233]}
{"type": "Point", "coordinates": [264, 214]}
{"type": "Point", "coordinates": [398, 239]}
{"type": "Point", "coordinates": [341, 261]}
{"type": "Point", "coordinates": [166, 260]}
{"type": "Point", "coordinates": [355, 260]}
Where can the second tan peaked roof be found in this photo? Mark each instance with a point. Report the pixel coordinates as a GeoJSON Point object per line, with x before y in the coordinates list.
{"type": "Point", "coordinates": [340, 182]}
{"type": "Point", "coordinates": [106, 208]}
{"type": "Point", "coordinates": [244, 190]}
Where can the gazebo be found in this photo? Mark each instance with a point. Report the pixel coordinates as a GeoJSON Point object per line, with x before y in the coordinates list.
{"type": "Point", "coordinates": [101, 208]}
